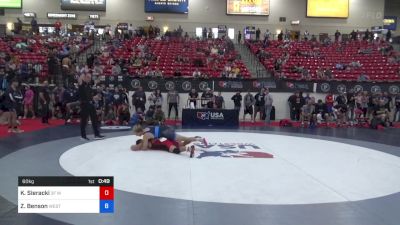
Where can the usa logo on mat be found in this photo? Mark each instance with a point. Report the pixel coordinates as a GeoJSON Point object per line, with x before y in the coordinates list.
{"type": "Point", "coordinates": [231, 150]}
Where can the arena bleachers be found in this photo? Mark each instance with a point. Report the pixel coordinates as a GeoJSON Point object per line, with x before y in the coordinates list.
{"type": "Point", "coordinates": [314, 56]}
{"type": "Point", "coordinates": [35, 49]}
{"type": "Point", "coordinates": [166, 53]}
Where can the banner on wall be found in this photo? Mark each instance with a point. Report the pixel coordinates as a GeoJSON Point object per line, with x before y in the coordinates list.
{"type": "Point", "coordinates": [84, 5]}
{"type": "Point", "coordinates": [71, 16]}
{"type": "Point", "coordinates": [166, 6]}
{"type": "Point", "coordinates": [184, 85]}
{"type": "Point", "coordinates": [328, 8]}
{"type": "Point", "coordinates": [344, 87]}
{"type": "Point", "coordinates": [390, 22]}
{"type": "Point", "coordinates": [253, 7]}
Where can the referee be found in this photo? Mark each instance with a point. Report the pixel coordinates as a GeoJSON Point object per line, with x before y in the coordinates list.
{"type": "Point", "coordinates": [87, 107]}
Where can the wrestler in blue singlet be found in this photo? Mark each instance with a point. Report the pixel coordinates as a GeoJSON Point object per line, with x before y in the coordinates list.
{"type": "Point", "coordinates": [161, 132]}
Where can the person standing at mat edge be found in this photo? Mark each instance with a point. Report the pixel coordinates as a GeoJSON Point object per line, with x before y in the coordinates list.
{"type": "Point", "coordinates": [87, 107]}
{"type": "Point", "coordinates": [44, 98]}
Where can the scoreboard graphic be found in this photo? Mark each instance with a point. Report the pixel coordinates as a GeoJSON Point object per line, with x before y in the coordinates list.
{"type": "Point", "coordinates": [65, 195]}
{"type": "Point", "coordinates": [248, 7]}
{"type": "Point", "coordinates": [328, 8]}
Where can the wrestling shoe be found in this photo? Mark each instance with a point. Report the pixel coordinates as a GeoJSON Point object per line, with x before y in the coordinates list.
{"type": "Point", "coordinates": [205, 142]}
{"type": "Point", "coordinates": [99, 137]}
{"type": "Point", "coordinates": [85, 139]}
{"type": "Point", "coordinates": [192, 149]}
{"type": "Point", "coordinates": [202, 140]}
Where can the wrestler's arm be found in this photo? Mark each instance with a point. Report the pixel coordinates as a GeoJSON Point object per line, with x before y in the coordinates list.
{"type": "Point", "coordinates": [145, 142]}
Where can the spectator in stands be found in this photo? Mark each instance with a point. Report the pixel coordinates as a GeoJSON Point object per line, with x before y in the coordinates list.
{"type": "Point", "coordinates": [52, 63]}
{"type": "Point", "coordinates": [124, 115]}
{"type": "Point", "coordinates": [210, 34]}
{"type": "Point", "coordinates": [297, 104]}
{"type": "Point", "coordinates": [351, 105]}
{"type": "Point", "coordinates": [340, 66]}
{"type": "Point", "coordinates": [137, 62]}
{"type": "Point", "coordinates": [355, 64]}
{"type": "Point", "coordinates": [239, 37]}
{"type": "Point", "coordinates": [306, 114]}
{"type": "Point", "coordinates": [388, 35]}
{"type": "Point", "coordinates": [268, 105]}
{"type": "Point", "coordinates": [329, 101]}
{"type": "Point", "coordinates": [120, 98]}
{"type": "Point", "coordinates": [110, 117]}
{"type": "Point", "coordinates": [258, 33]}
{"type": "Point", "coordinates": [15, 98]}
{"type": "Point", "coordinates": [328, 73]}
{"type": "Point", "coordinates": [340, 113]}
{"type": "Point", "coordinates": [388, 101]}
{"type": "Point", "coordinates": [204, 33]}
{"type": "Point", "coordinates": [158, 73]}
{"type": "Point", "coordinates": [177, 73]}
{"type": "Point", "coordinates": [337, 35]}
{"type": "Point", "coordinates": [139, 99]}
{"type": "Point", "coordinates": [207, 99]}
{"type": "Point", "coordinates": [291, 102]}
{"type": "Point", "coordinates": [219, 101]}
{"type": "Point", "coordinates": [248, 102]}
{"type": "Point", "coordinates": [149, 115]}
{"type": "Point", "coordinates": [196, 73]}
{"type": "Point", "coordinates": [364, 103]}
{"type": "Point", "coordinates": [66, 63]}
{"type": "Point", "coordinates": [396, 115]}
{"type": "Point", "coordinates": [306, 35]}
{"type": "Point", "coordinates": [267, 35]}
{"type": "Point", "coordinates": [193, 96]}
{"type": "Point", "coordinates": [306, 74]}
{"type": "Point", "coordinates": [18, 26]}
{"type": "Point", "coordinates": [341, 108]}
{"type": "Point", "coordinates": [71, 102]}
{"type": "Point", "coordinates": [179, 58]}
{"type": "Point", "coordinates": [173, 102]}
{"type": "Point", "coordinates": [365, 51]}
{"type": "Point", "coordinates": [159, 116]}
{"type": "Point", "coordinates": [363, 77]}
{"type": "Point", "coordinates": [90, 60]}
{"type": "Point", "coordinates": [237, 100]}
{"type": "Point", "coordinates": [280, 36]}
{"type": "Point", "coordinates": [156, 98]}
{"type": "Point", "coordinates": [341, 99]}
{"type": "Point", "coordinates": [8, 113]}
{"type": "Point", "coordinates": [44, 99]}
{"type": "Point", "coordinates": [353, 35]}
{"type": "Point", "coordinates": [321, 112]}
{"type": "Point", "coordinates": [34, 26]}
{"type": "Point", "coordinates": [97, 71]}
{"type": "Point", "coordinates": [367, 35]}
{"type": "Point", "coordinates": [320, 74]}
{"type": "Point", "coordinates": [98, 104]}
{"type": "Point", "coordinates": [116, 69]}
{"type": "Point", "coordinates": [150, 73]}
{"type": "Point", "coordinates": [57, 27]}
{"type": "Point", "coordinates": [23, 72]}
{"type": "Point", "coordinates": [28, 102]}
{"type": "Point", "coordinates": [259, 106]}
{"type": "Point", "coordinates": [380, 115]}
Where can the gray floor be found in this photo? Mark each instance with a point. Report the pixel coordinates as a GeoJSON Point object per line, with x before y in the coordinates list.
{"type": "Point", "coordinates": [38, 154]}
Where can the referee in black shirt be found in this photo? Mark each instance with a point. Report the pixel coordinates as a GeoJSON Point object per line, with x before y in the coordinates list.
{"type": "Point", "coordinates": [87, 107]}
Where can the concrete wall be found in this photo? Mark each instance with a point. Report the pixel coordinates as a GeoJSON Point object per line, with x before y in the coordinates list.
{"type": "Point", "coordinates": [211, 13]}
{"type": "Point", "coordinates": [280, 103]}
